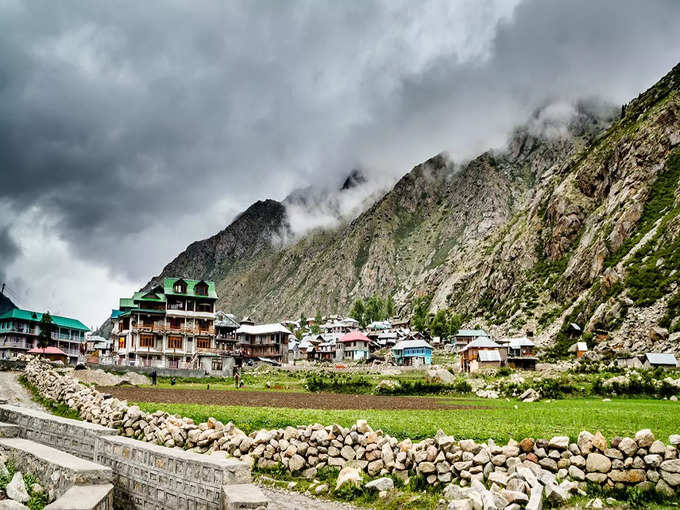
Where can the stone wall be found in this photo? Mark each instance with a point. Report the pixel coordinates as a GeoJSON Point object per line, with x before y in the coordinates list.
{"type": "Point", "coordinates": [72, 436]}
{"type": "Point", "coordinates": [57, 471]}
{"type": "Point", "coordinates": [144, 475]}
{"type": "Point", "coordinates": [559, 465]}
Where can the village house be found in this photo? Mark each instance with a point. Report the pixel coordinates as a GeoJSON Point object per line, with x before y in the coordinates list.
{"type": "Point", "coordinates": [521, 352]}
{"type": "Point", "coordinates": [263, 342]}
{"type": "Point", "coordinates": [482, 353]}
{"type": "Point", "coordinates": [99, 349]}
{"type": "Point", "coordinates": [387, 338]}
{"type": "Point", "coordinates": [412, 353]}
{"type": "Point", "coordinates": [19, 330]}
{"type": "Point", "coordinates": [580, 348]}
{"type": "Point", "coordinates": [354, 346]}
{"type": "Point", "coordinates": [170, 326]}
{"type": "Point", "coordinates": [464, 336]}
{"type": "Point", "coordinates": [225, 333]}
{"type": "Point", "coordinates": [340, 326]}
{"type": "Point", "coordinates": [660, 359]}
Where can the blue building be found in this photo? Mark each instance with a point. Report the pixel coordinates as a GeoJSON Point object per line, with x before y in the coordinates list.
{"type": "Point", "coordinates": [412, 352]}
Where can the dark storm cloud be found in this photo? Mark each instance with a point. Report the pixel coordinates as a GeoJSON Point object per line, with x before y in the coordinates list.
{"type": "Point", "coordinates": [140, 126]}
{"type": "Point", "coordinates": [9, 250]}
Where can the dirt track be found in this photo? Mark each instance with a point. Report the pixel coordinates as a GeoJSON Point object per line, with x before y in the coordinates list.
{"type": "Point", "coordinates": [278, 399]}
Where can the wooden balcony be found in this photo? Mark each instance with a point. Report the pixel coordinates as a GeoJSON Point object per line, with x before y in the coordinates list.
{"type": "Point", "coordinates": [162, 328]}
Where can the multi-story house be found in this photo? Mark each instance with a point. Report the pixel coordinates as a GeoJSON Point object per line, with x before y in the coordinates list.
{"type": "Point", "coordinates": [354, 346]}
{"type": "Point", "coordinates": [19, 330]}
{"type": "Point", "coordinates": [225, 333]}
{"type": "Point", "coordinates": [268, 341]}
{"type": "Point", "coordinates": [169, 326]}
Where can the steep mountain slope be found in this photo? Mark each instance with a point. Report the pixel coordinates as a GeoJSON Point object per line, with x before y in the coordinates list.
{"type": "Point", "coordinates": [400, 242]}
{"type": "Point", "coordinates": [571, 223]}
{"type": "Point", "coordinates": [260, 228]}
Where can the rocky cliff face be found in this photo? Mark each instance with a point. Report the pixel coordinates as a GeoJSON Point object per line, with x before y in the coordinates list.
{"type": "Point", "coordinates": [260, 229]}
{"type": "Point", "coordinates": [572, 222]}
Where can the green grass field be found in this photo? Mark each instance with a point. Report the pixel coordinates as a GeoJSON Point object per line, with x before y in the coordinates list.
{"type": "Point", "coordinates": [499, 421]}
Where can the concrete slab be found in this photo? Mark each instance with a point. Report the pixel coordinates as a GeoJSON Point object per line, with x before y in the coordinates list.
{"type": "Point", "coordinates": [50, 455]}
{"type": "Point", "coordinates": [243, 496]}
{"type": "Point", "coordinates": [85, 497]}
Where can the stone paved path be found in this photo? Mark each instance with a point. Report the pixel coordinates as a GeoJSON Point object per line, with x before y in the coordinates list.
{"type": "Point", "coordinates": [281, 499]}
{"type": "Point", "coordinates": [15, 393]}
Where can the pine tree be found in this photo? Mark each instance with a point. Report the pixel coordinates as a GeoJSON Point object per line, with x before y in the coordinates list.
{"type": "Point", "coordinates": [389, 307]}
{"type": "Point", "coordinates": [47, 327]}
{"type": "Point", "coordinates": [358, 311]}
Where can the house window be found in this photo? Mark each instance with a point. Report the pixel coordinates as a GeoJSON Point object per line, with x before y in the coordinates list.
{"type": "Point", "coordinates": [203, 343]}
{"type": "Point", "coordinates": [201, 290]}
{"type": "Point", "coordinates": [121, 342]}
{"type": "Point", "coordinates": [146, 341]}
{"type": "Point", "coordinates": [174, 342]}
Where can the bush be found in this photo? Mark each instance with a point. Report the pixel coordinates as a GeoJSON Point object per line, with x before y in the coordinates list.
{"type": "Point", "coordinates": [338, 383]}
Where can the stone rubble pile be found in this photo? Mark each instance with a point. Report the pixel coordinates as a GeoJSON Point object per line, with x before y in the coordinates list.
{"type": "Point", "coordinates": [518, 474]}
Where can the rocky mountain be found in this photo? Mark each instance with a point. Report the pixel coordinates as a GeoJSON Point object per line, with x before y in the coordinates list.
{"type": "Point", "coordinates": [574, 221]}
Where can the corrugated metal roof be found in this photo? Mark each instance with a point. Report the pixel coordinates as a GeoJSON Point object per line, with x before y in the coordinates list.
{"type": "Point", "coordinates": [471, 332]}
{"type": "Point", "coordinates": [662, 358]}
{"type": "Point", "coordinates": [262, 329]}
{"type": "Point", "coordinates": [354, 336]}
{"type": "Point", "coordinates": [482, 341]}
{"type": "Point", "coordinates": [516, 343]}
{"type": "Point", "coordinates": [27, 315]}
{"type": "Point", "coordinates": [169, 283]}
{"type": "Point", "coordinates": [492, 355]}
{"type": "Point", "coordinates": [411, 344]}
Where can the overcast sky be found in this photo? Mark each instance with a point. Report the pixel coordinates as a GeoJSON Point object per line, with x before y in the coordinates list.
{"type": "Point", "coordinates": [129, 129]}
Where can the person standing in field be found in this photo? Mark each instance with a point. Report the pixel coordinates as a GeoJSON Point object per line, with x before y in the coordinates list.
{"type": "Point", "coordinates": [154, 377]}
{"type": "Point", "coordinates": [236, 378]}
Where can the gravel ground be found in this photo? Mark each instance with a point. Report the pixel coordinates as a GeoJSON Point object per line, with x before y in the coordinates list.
{"type": "Point", "coordinates": [278, 399]}
{"type": "Point", "coordinates": [281, 499]}
{"type": "Point", "coordinates": [15, 393]}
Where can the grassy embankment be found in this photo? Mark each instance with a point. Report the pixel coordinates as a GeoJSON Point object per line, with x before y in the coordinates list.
{"type": "Point", "coordinates": [495, 419]}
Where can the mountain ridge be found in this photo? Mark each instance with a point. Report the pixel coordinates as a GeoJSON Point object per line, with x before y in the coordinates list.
{"type": "Point", "coordinates": [517, 240]}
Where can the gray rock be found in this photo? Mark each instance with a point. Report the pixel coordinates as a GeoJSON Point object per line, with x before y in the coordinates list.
{"type": "Point", "coordinates": [576, 473]}
{"type": "Point", "coordinates": [663, 488]}
{"type": "Point", "coordinates": [426, 467]}
{"type": "Point", "coordinates": [644, 438]}
{"type": "Point", "coordinates": [672, 466]}
{"type": "Point", "coordinates": [535, 498]}
{"type": "Point", "coordinates": [628, 446]}
{"type": "Point", "coordinates": [16, 489]}
{"type": "Point", "coordinates": [596, 462]}
{"type": "Point", "coordinates": [10, 504]}
{"type": "Point", "coordinates": [515, 496]}
{"type": "Point", "coordinates": [381, 484]}
{"type": "Point", "coordinates": [559, 442]}
{"type": "Point", "coordinates": [461, 504]}
{"type": "Point", "coordinates": [296, 463]}
{"type": "Point", "coordinates": [657, 447]}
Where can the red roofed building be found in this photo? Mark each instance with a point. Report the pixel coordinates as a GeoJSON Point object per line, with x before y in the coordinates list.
{"type": "Point", "coordinates": [52, 353]}
{"type": "Point", "coordinates": [354, 346]}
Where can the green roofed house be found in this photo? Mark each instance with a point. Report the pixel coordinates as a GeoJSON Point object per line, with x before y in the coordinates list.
{"type": "Point", "coordinates": [19, 331]}
{"type": "Point", "coordinates": [171, 325]}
